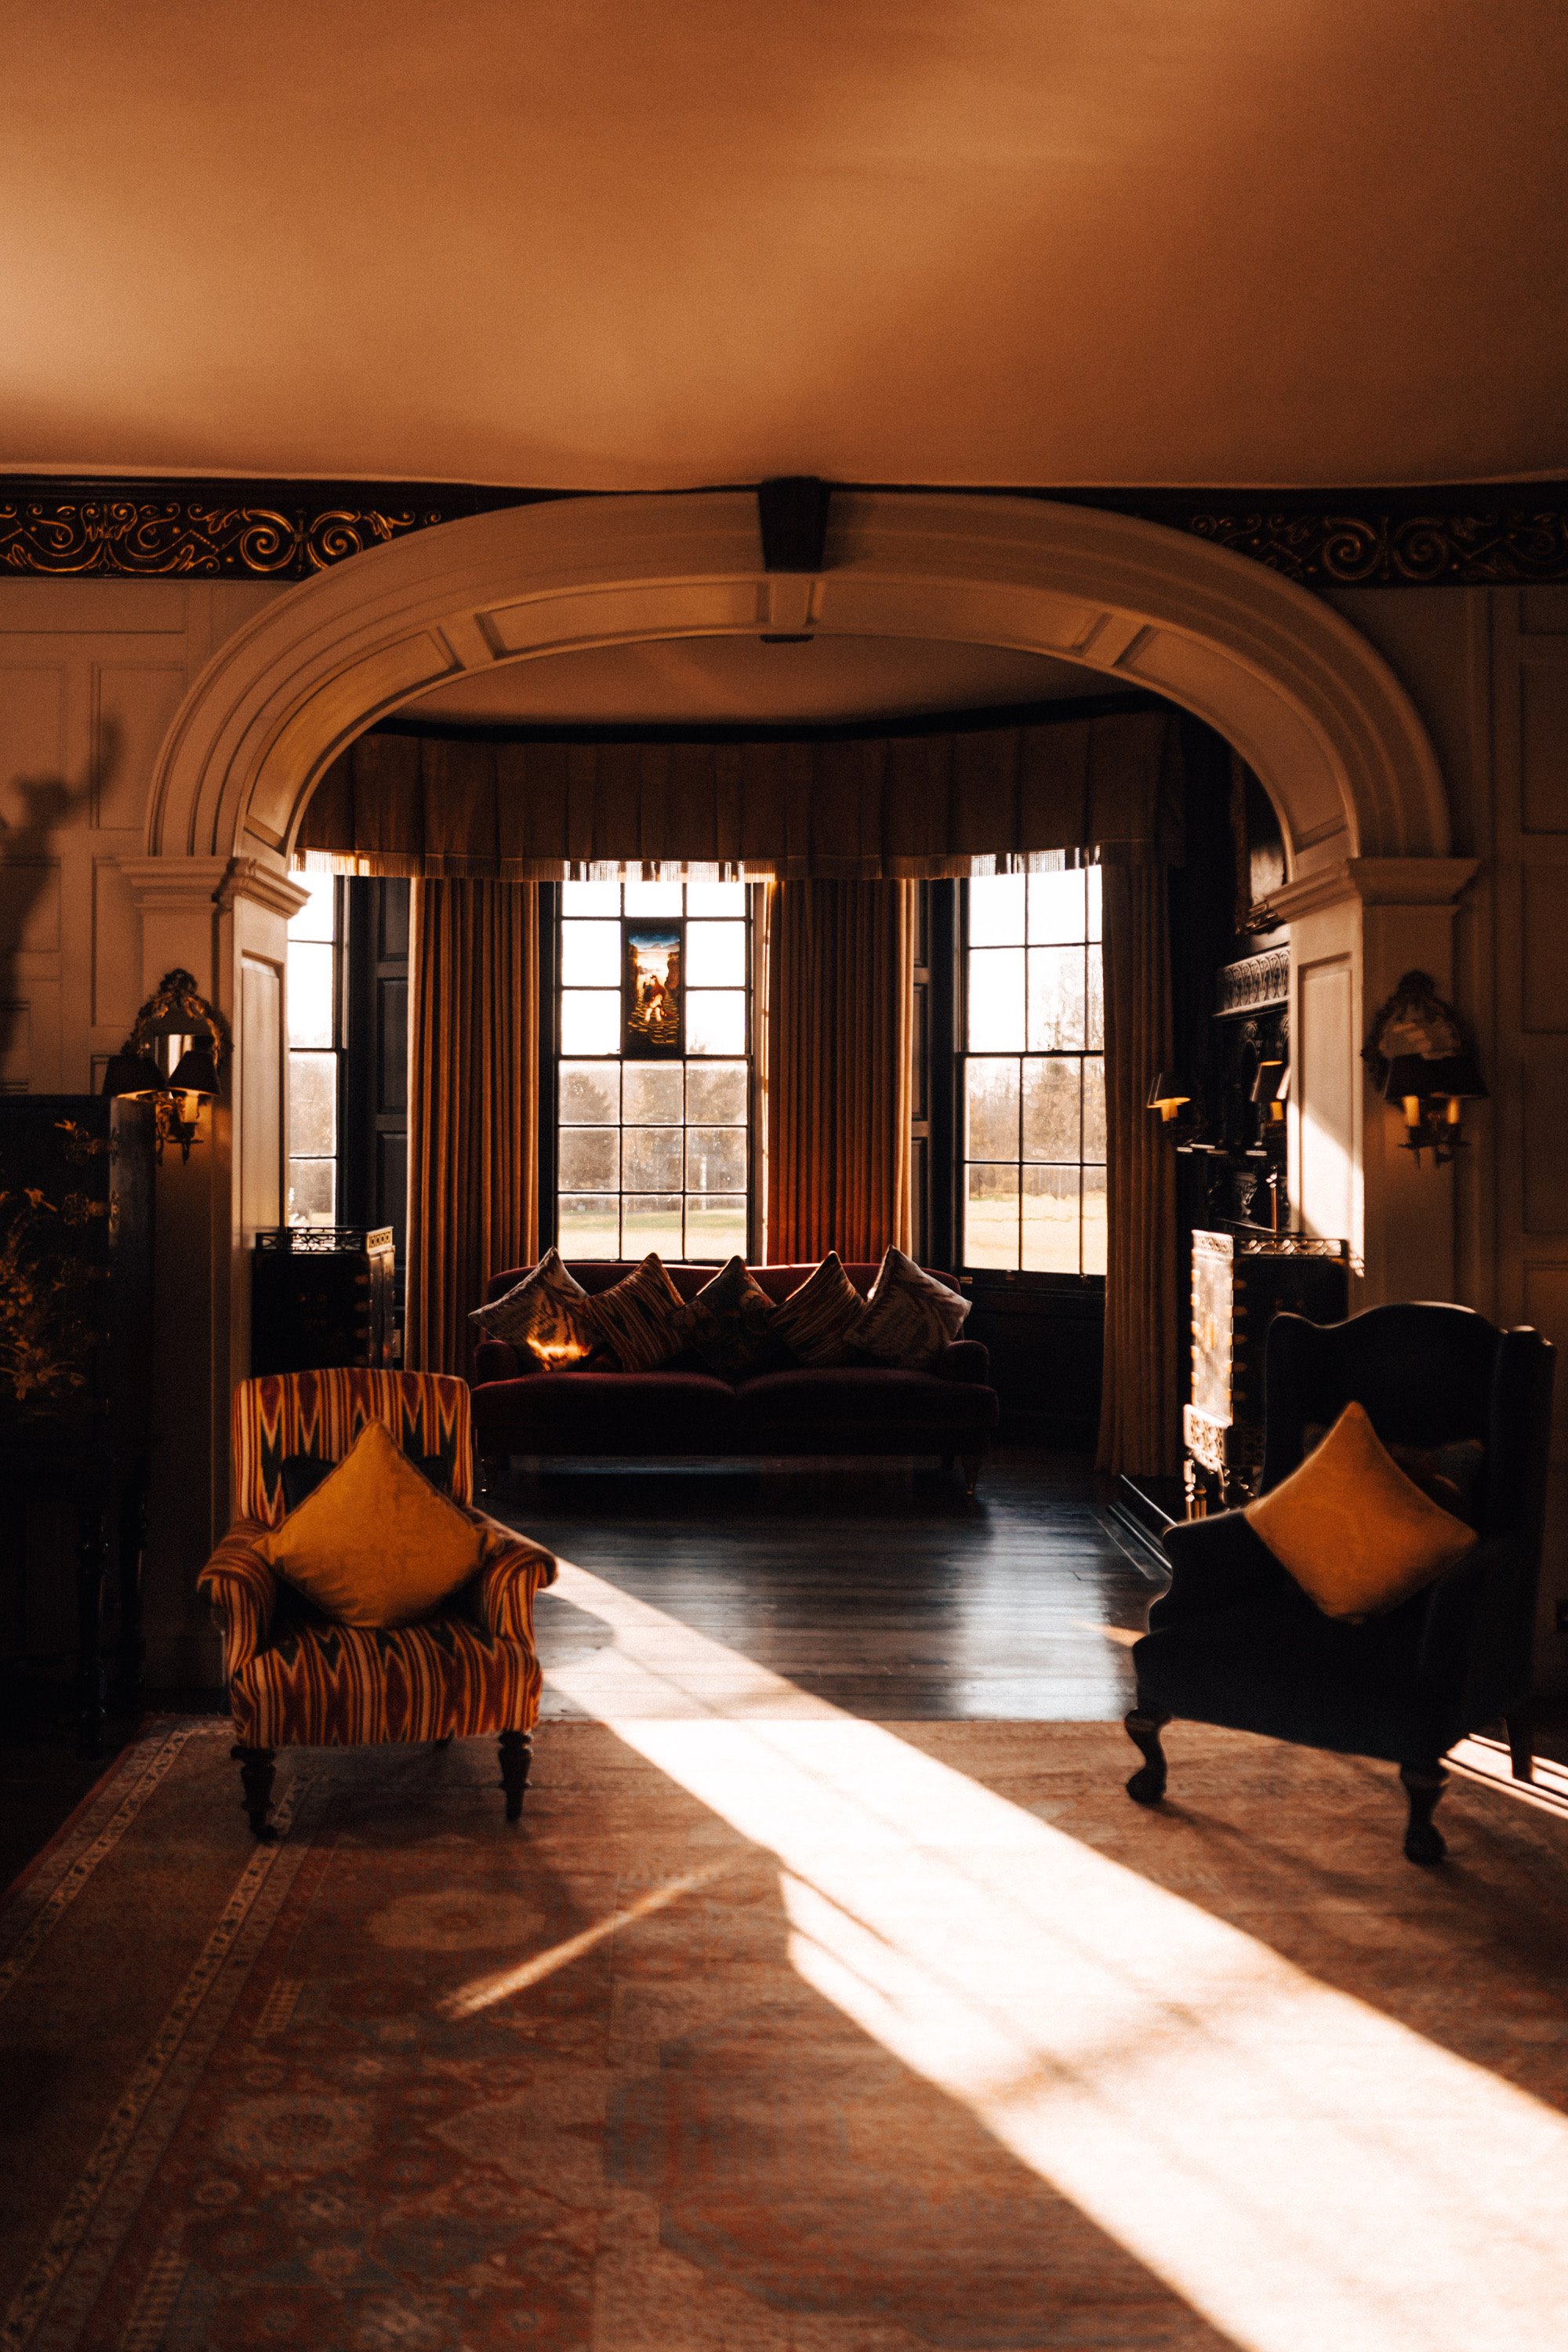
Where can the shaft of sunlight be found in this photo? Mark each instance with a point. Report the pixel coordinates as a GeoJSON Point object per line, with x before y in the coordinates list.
{"type": "Point", "coordinates": [485, 1992]}
{"type": "Point", "coordinates": [1304, 2169]}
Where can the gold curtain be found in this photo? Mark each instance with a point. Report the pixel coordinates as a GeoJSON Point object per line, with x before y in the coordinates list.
{"type": "Point", "coordinates": [840, 1007]}
{"type": "Point", "coordinates": [1139, 1412]}
{"type": "Point", "coordinates": [473, 1139]}
{"type": "Point", "coordinates": [860, 807]}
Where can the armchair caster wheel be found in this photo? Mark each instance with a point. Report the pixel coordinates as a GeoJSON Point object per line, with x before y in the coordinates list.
{"type": "Point", "coordinates": [1144, 1725]}
{"type": "Point", "coordinates": [1423, 1784]}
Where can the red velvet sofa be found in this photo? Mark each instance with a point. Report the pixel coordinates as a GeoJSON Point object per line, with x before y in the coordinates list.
{"type": "Point", "coordinates": [684, 1407]}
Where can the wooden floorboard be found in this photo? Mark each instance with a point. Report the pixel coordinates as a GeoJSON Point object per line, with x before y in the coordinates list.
{"type": "Point", "coordinates": [883, 1592]}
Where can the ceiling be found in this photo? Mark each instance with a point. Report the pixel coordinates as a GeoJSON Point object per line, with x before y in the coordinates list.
{"type": "Point", "coordinates": [595, 244]}
{"type": "Point", "coordinates": [713, 681]}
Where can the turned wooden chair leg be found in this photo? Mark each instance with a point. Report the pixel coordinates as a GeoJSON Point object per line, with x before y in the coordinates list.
{"type": "Point", "coordinates": [971, 1472]}
{"type": "Point", "coordinates": [1144, 1725]}
{"type": "Point", "coordinates": [516, 1755]}
{"type": "Point", "coordinates": [1423, 1784]}
{"type": "Point", "coordinates": [257, 1771]}
{"type": "Point", "coordinates": [1520, 1729]}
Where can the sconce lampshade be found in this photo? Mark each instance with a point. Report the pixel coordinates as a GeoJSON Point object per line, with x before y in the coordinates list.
{"type": "Point", "coordinates": [1269, 1083]}
{"type": "Point", "coordinates": [1418, 1076]}
{"type": "Point", "coordinates": [1168, 1093]}
{"type": "Point", "coordinates": [196, 1073]}
{"type": "Point", "coordinates": [132, 1074]}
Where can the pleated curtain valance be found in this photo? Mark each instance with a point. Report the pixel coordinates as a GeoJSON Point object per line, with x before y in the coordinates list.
{"type": "Point", "coordinates": [912, 807]}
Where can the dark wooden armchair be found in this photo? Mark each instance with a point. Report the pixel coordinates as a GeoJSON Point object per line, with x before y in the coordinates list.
{"type": "Point", "coordinates": [1237, 1642]}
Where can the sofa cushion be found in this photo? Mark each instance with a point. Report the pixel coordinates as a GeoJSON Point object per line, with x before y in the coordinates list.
{"type": "Point", "coordinates": [860, 1397]}
{"type": "Point", "coordinates": [730, 1324]}
{"type": "Point", "coordinates": [606, 1413]}
{"type": "Point", "coordinates": [642, 1320]}
{"type": "Point", "coordinates": [820, 1322]}
{"type": "Point", "coordinates": [910, 1317]}
{"type": "Point", "coordinates": [546, 1312]}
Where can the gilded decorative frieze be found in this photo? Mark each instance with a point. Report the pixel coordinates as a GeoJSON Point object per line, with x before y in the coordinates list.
{"type": "Point", "coordinates": [147, 536]}
{"type": "Point", "coordinates": [1501, 547]}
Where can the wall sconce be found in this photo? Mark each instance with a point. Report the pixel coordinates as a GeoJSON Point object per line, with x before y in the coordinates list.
{"type": "Point", "coordinates": [1271, 1090]}
{"type": "Point", "coordinates": [173, 1058]}
{"type": "Point", "coordinates": [1422, 1058]}
{"type": "Point", "coordinates": [1169, 1096]}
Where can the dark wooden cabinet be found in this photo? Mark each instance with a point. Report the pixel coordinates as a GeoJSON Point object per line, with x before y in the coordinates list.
{"type": "Point", "coordinates": [322, 1296]}
{"type": "Point", "coordinates": [76, 1350]}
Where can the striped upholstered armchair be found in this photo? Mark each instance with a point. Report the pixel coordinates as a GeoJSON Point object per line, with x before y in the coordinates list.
{"type": "Point", "coordinates": [297, 1678]}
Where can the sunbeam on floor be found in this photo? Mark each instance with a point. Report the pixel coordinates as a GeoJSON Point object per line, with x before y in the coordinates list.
{"type": "Point", "coordinates": [1306, 2171]}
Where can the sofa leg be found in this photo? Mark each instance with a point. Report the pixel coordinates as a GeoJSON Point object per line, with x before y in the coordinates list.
{"type": "Point", "coordinates": [1520, 1729]}
{"type": "Point", "coordinates": [1144, 1725]}
{"type": "Point", "coordinates": [1423, 1784]}
{"type": "Point", "coordinates": [516, 1755]}
{"type": "Point", "coordinates": [971, 1472]}
{"type": "Point", "coordinates": [492, 1475]}
{"type": "Point", "coordinates": [256, 1773]}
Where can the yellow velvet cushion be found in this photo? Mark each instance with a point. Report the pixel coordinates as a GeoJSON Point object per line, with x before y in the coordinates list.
{"type": "Point", "coordinates": [376, 1544]}
{"type": "Point", "coordinates": [1357, 1535]}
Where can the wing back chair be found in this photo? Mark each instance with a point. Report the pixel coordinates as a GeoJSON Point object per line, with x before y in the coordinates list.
{"type": "Point", "coordinates": [1236, 1641]}
{"type": "Point", "coordinates": [298, 1678]}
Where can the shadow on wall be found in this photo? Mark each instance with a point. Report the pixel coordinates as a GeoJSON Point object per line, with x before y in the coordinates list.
{"type": "Point", "coordinates": [29, 872]}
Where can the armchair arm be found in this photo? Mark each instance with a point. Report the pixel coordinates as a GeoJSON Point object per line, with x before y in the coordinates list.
{"type": "Point", "coordinates": [495, 1360]}
{"type": "Point", "coordinates": [241, 1586]}
{"type": "Point", "coordinates": [511, 1570]}
{"type": "Point", "coordinates": [966, 1361]}
{"type": "Point", "coordinates": [1215, 1563]}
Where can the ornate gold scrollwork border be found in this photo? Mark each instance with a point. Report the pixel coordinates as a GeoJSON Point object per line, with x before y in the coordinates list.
{"type": "Point", "coordinates": [1477, 536]}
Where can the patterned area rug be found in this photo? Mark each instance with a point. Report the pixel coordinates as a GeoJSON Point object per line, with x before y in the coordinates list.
{"type": "Point", "coordinates": [638, 2076]}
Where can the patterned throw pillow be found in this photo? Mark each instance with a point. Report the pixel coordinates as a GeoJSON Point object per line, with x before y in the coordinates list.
{"type": "Point", "coordinates": [547, 1313]}
{"type": "Point", "coordinates": [820, 1322]}
{"type": "Point", "coordinates": [729, 1323]}
{"type": "Point", "coordinates": [643, 1320]}
{"type": "Point", "coordinates": [910, 1317]}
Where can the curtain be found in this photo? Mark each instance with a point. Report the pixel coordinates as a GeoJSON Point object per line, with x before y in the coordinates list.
{"type": "Point", "coordinates": [1140, 1413]}
{"type": "Point", "coordinates": [473, 1158]}
{"type": "Point", "coordinates": [840, 965]}
{"type": "Point", "coordinates": [856, 806]}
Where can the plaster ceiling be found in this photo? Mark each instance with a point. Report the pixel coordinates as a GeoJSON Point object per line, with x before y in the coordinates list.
{"type": "Point", "coordinates": [619, 245]}
{"type": "Point", "coordinates": [716, 679]}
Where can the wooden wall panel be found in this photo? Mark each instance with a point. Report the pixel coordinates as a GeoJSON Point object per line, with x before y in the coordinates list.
{"type": "Point", "coordinates": [1544, 738]}
{"type": "Point", "coordinates": [133, 705]}
{"type": "Point", "coordinates": [1326, 1048]}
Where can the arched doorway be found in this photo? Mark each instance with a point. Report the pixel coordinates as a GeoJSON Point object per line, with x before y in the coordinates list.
{"type": "Point", "coordinates": [1305, 699]}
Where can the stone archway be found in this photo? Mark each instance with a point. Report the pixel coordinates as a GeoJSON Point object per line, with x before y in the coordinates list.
{"type": "Point", "coordinates": [1306, 701]}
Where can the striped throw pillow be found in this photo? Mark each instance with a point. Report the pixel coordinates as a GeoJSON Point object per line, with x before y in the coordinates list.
{"type": "Point", "coordinates": [910, 1317]}
{"type": "Point", "coordinates": [546, 1312]}
{"type": "Point", "coordinates": [730, 1323]}
{"type": "Point", "coordinates": [643, 1321]}
{"type": "Point", "coordinates": [820, 1322]}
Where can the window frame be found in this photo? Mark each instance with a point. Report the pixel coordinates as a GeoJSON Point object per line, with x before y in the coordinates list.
{"type": "Point", "coordinates": [338, 1050]}
{"type": "Point", "coordinates": [1037, 1278]}
{"type": "Point", "coordinates": [552, 919]}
